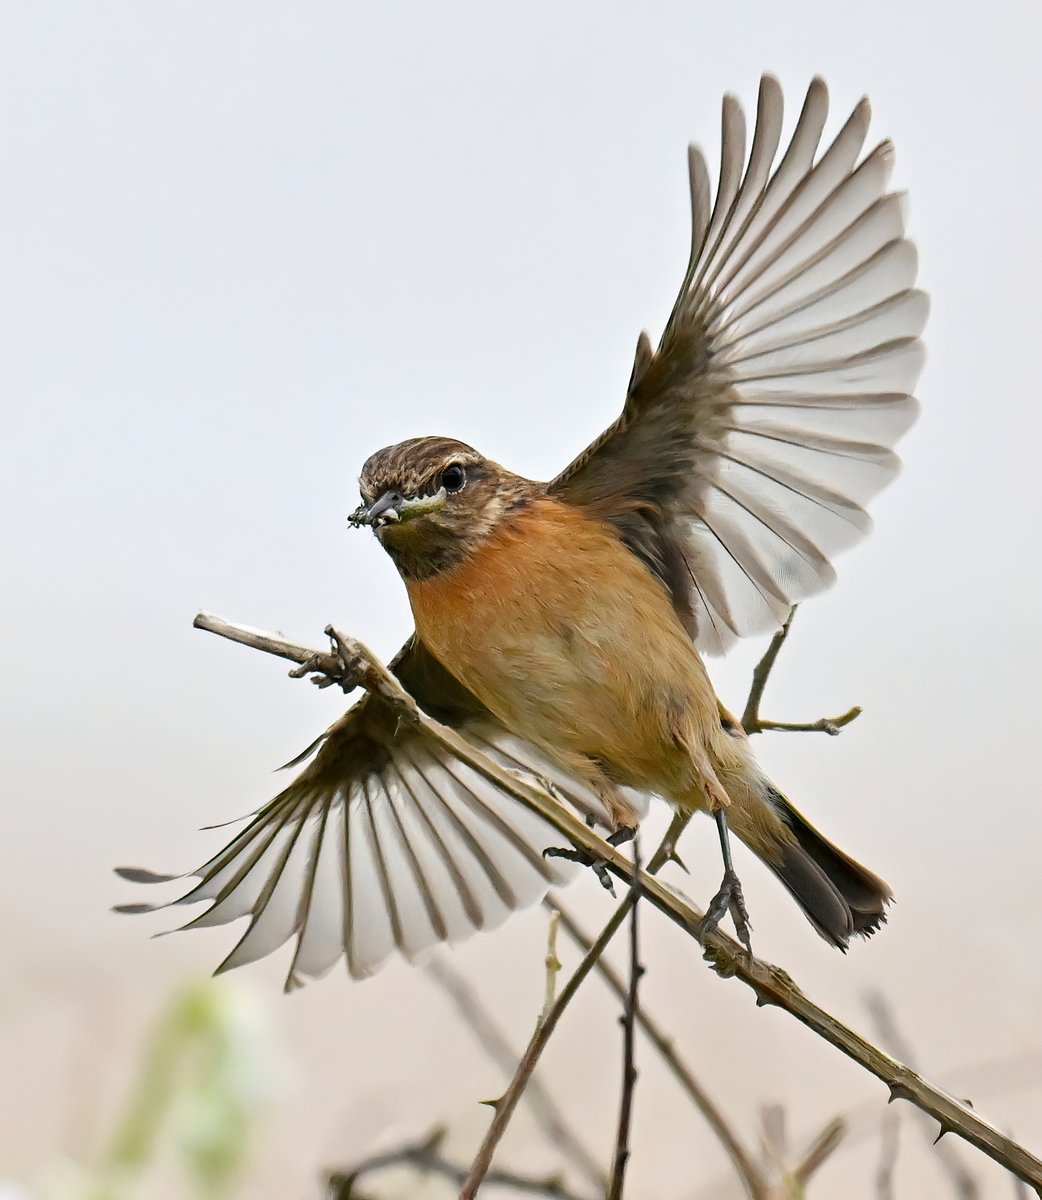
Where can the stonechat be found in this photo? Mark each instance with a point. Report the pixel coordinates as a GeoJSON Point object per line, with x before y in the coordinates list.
{"type": "Point", "coordinates": [561, 626]}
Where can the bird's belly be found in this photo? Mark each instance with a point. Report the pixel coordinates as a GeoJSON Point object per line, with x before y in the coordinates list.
{"type": "Point", "coordinates": [577, 649]}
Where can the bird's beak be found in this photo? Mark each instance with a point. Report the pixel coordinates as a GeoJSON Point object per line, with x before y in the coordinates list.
{"type": "Point", "coordinates": [393, 507]}
{"type": "Point", "coordinates": [385, 511]}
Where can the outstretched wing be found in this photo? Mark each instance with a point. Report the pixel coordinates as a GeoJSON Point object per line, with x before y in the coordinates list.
{"type": "Point", "coordinates": [384, 841]}
{"type": "Point", "coordinates": [752, 438]}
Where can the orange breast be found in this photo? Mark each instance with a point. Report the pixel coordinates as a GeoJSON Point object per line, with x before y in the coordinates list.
{"type": "Point", "coordinates": [571, 642]}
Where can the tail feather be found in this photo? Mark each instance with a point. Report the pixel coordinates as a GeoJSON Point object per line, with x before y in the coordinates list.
{"type": "Point", "coordinates": [840, 897]}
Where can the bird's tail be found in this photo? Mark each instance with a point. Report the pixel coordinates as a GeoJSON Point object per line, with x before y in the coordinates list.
{"type": "Point", "coordinates": [840, 897]}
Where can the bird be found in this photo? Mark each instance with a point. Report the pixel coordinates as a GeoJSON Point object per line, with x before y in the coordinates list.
{"type": "Point", "coordinates": [562, 627]}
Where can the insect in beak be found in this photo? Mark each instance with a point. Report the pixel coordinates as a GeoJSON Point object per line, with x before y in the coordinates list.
{"type": "Point", "coordinates": [393, 507]}
{"type": "Point", "coordinates": [384, 511]}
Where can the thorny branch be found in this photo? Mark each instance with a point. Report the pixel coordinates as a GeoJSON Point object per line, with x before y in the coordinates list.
{"type": "Point", "coordinates": [770, 984]}
{"type": "Point", "coordinates": [964, 1185]}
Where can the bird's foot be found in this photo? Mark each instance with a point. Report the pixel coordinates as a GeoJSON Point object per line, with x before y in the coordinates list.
{"type": "Point", "coordinates": [625, 833]}
{"type": "Point", "coordinates": [572, 854]}
{"type": "Point", "coordinates": [343, 666]}
{"type": "Point", "coordinates": [729, 899]}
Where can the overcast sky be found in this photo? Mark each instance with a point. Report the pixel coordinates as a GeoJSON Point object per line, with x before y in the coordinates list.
{"type": "Point", "coordinates": [242, 245]}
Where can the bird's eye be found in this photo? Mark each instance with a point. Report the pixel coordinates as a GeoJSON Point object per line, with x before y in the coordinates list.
{"type": "Point", "coordinates": [453, 478]}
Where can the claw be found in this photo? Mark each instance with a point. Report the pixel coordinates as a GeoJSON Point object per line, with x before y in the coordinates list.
{"type": "Point", "coordinates": [586, 860]}
{"type": "Point", "coordinates": [729, 899]}
{"type": "Point", "coordinates": [622, 835]}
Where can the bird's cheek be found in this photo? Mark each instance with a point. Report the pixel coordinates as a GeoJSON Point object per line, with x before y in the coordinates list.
{"type": "Point", "coordinates": [409, 533]}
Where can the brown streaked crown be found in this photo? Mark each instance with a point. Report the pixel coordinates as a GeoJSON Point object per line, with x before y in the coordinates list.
{"type": "Point", "coordinates": [411, 467]}
{"type": "Point", "coordinates": [436, 541]}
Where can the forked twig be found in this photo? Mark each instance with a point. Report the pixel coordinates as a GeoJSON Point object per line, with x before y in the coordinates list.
{"type": "Point", "coordinates": [752, 722]}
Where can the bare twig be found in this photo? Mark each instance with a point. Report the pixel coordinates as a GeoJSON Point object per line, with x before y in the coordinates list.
{"type": "Point", "coordinates": [964, 1184]}
{"type": "Point", "coordinates": [829, 725]}
{"type": "Point", "coordinates": [506, 1104]}
{"type": "Point", "coordinates": [746, 1169]}
{"type": "Point", "coordinates": [770, 984]}
{"type": "Point", "coordinates": [553, 963]}
{"type": "Point", "coordinates": [752, 722]}
{"type": "Point", "coordinates": [630, 1009]}
{"type": "Point", "coordinates": [508, 1101]}
{"type": "Point", "coordinates": [543, 1106]}
{"type": "Point", "coordinates": [818, 1153]}
{"type": "Point", "coordinates": [427, 1157]}
{"type": "Point", "coordinates": [270, 643]}
{"type": "Point", "coordinates": [348, 663]}
{"type": "Point", "coordinates": [790, 1182]}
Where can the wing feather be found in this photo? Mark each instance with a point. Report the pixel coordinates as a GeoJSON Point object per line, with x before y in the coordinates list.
{"type": "Point", "coordinates": [384, 843]}
{"type": "Point", "coordinates": [752, 438]}
{"type": "Point", "coordinates": [321, 942]}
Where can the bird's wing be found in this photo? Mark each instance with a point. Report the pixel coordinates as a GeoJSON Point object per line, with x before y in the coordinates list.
{"type": "Point", "coordinates": [384, 841]}
{"type": "Point", "coordinates": [752, 438]}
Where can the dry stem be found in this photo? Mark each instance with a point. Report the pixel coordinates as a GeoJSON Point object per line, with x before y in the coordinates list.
{"type": "Point", "coordinates": [746, 1169]}
{"type": "Point", "coordinates": [427, 1157]}
{"type": "Point", "coordinates": [543, 1106]}
{"type": "Point", "coordinates": [752, 722]}
{"type": "Point", "coordinates": [630, 1009]}
{"type": "Point", "coordinates": [506, 1104]}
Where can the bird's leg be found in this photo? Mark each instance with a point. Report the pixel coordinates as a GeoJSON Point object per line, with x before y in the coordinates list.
{"type": "Point", "coordinates": [729, 898]}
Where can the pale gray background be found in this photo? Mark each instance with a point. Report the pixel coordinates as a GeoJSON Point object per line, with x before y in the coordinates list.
{"type": "Point", "coordinates": [244, 244]}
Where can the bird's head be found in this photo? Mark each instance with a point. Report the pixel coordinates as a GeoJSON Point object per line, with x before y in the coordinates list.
{"type": "Point", "coordinates": [431, 501]}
